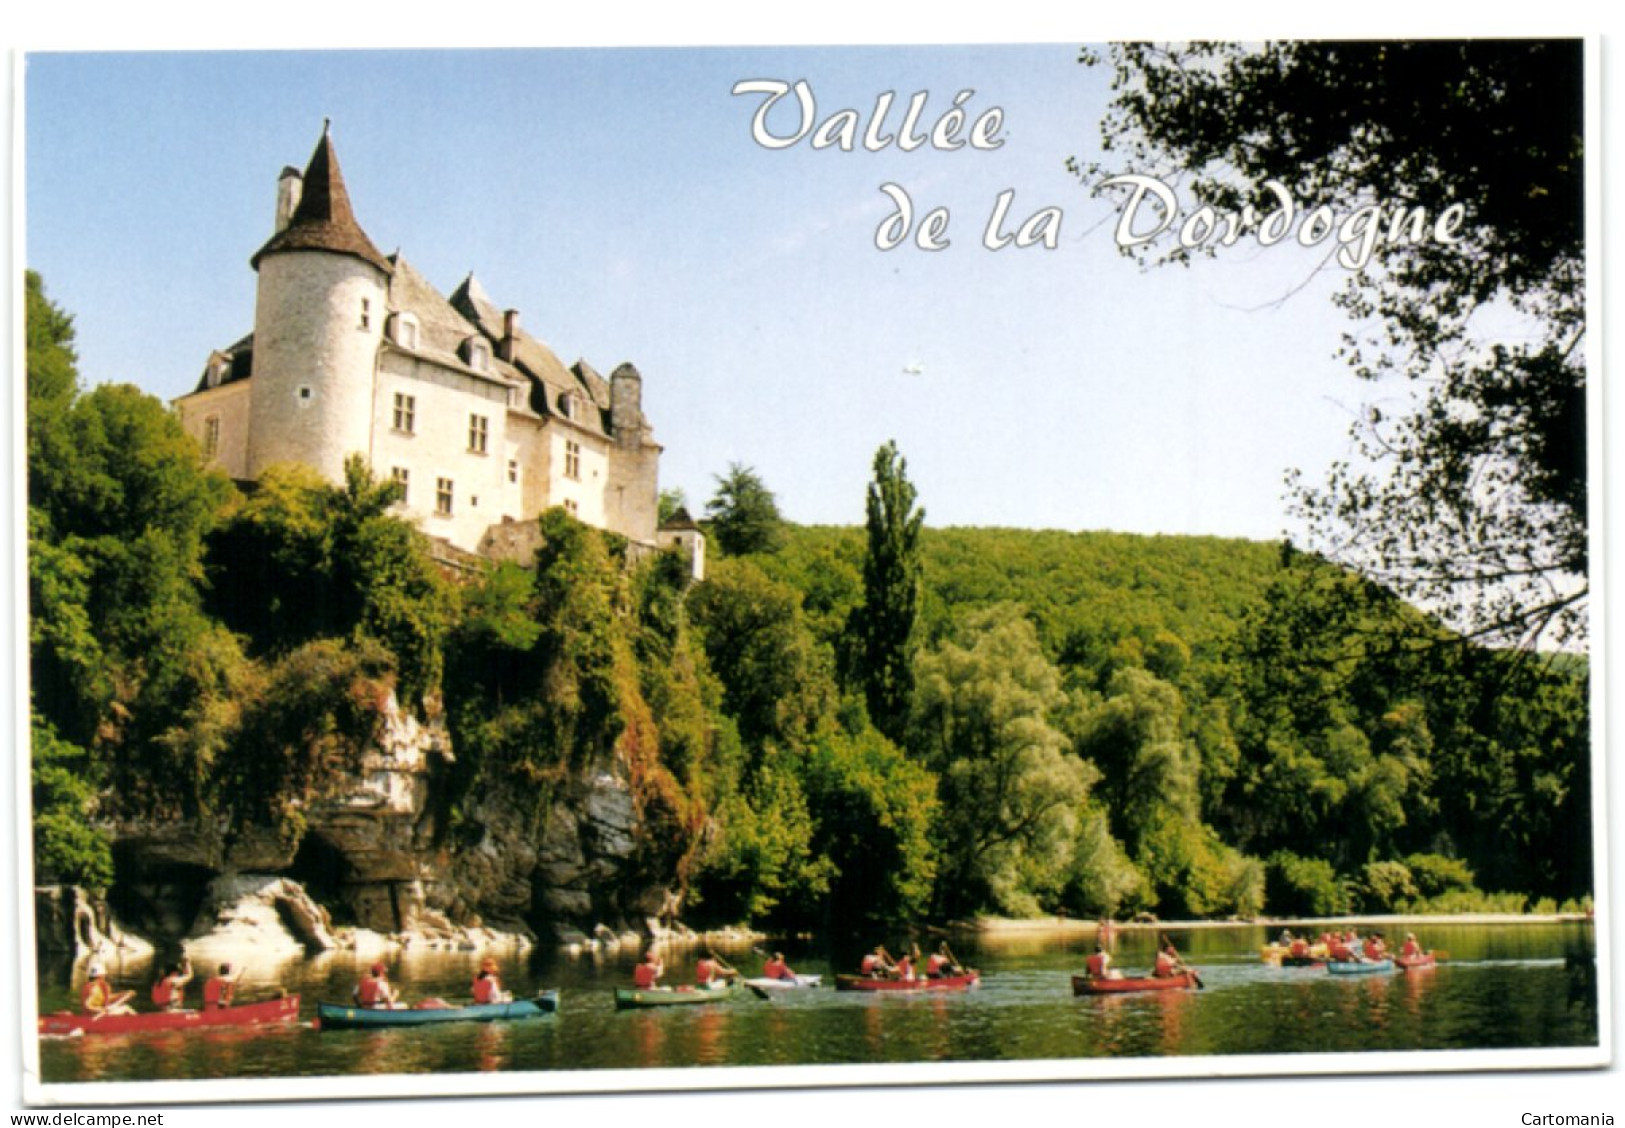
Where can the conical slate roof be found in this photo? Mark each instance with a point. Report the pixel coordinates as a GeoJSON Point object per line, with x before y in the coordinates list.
{"type": "Point", "coordinates": [323, 220]}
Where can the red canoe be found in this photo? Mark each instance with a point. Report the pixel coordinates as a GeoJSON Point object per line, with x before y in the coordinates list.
{"type": "Point", "coordinates": [1087, 985]}
{"type": "Point", "coordinates": [1414, 963]}
{"type": "Point", "coordinates": [944, 983]}
{"type": "Point", "coordinates": [248, 1014]}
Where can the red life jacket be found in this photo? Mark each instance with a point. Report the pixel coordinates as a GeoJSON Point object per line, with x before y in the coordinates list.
{"type": "Point", "coordinates": [1410, 948]}
{"type": "Point", "coordinates": [1300, 947]}
{"type": "Point", "coordinates": [168, 992]}
{"type": "Point", "coordinates": [870, 964]}
{"type": "Point", "coordinates": [1097, 964]}
{"type": "Point", "coordinates": [644, 976]}
{"type": "Point", "coordinates": [370, 992]}
{"type": "Point", "coordinates": [776, 969]}
{"type": "Point", "coordinates": [485, 988]}
{"type": "Point", "coordinates": [905, 968]}
{"type": "Point", "coordinates": [935, 963]}
{"type": "Point", "coordinates": [95, 994]}
{"type": "Point", "coordinates": [1165, 966]}
{"type": "Point", "coordinates": [217, 993]}
{"type": "Point", "coordinates": [705, 971]}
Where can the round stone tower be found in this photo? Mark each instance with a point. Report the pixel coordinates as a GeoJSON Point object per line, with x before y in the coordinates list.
{"type": "Point", "coordinates": [318, 320]}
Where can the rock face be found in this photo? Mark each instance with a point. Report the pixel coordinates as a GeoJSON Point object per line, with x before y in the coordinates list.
{"type": "Point", "coordinates": [68, 919]}
{"type": "Point", "coordinates": [257, 913]}
{"type": "Point", "coordinates": [370, 863]}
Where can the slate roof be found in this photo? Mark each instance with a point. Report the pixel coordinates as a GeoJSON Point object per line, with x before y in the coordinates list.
{"type": "Point", "coordinates": [535, 363]}
{"type": "Point", "coordinates": [323, 221]}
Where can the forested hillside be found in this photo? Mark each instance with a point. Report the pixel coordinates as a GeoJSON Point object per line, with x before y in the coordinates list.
{"type": "Point", "coordinates": [837, 727]}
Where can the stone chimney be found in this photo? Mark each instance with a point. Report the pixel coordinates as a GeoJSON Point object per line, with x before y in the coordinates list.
{"type": "Point", "coordinates": [626, 406]}
{"type": "Point", "coordinates": [289, 186]}
{"type": "Point", "coordinates": [510, 335]}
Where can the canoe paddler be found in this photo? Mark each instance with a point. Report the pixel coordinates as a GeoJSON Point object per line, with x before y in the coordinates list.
{"type": "Point", "coordinates": [1168, 962]}
{"type": "Point", "coordinates": [776, 968]}
{"type": "Point", "coordinates": [712, 971]}
{"type": "Point", "coordinates": [488, 984]}
{"type": "Point", "coordinates": [1410, 948]}
{"type": "Point", "coordinates": [219, 988]}
{"type": "Point", "coordinates": [374, 991]}
{"type": "Point", "coordinates": [647, 974]}
{"type": "Point", "coordinates": [169, 993]}
{"type": "Point", "coordinates": [940, 963]}
{"type": "Point", "coordinates": [1099, 965]}
{"type": "Point", "coordinates": [98, 998]}
{"type": "Point", "coordinates": [878, 964]}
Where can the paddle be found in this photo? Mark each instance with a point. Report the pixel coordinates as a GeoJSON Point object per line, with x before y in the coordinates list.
{"type": "Point", "coordinates": [959, 968]}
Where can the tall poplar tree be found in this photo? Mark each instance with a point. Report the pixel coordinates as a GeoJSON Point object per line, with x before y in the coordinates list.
{"type": "Point", "coordinates": [884, 622]}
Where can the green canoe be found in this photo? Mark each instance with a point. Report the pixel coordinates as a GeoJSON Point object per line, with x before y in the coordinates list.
{"type": "Point", "coordinates": [628, 998]}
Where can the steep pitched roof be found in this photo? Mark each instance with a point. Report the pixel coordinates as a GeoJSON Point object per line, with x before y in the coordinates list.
{"type": "Point", "coordinates": [323, 220]}
{"type": "Point", "coordinates": [550, 380]}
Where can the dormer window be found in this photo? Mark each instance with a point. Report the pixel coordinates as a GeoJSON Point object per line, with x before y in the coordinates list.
{"type": "Point", "coordinates": [567, 405]}
{"type": "Point", "coordinates": [219, 369]}
{"type": "Point", "coordinates": [404, 330]}
{"type": "Point", "coordinates": [479, 354]}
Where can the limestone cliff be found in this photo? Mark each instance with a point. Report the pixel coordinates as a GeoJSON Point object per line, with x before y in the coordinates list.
{"type": "Point", "coordinates": [370, 857]}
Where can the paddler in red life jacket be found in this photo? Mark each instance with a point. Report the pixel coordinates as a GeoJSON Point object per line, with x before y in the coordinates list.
{"type": "Point", "coordinates": [647, 974]}
{"type": "Point", "coordinates": [219, 989]}
{"type": "Point", "coordinates": [374, 990]}
{"type": "Point", "coordinates": [1099, 965]}
{"type": "Point", "coordinates": [1168, 962]}
{"type": "Point", "coordinates": [97, 997]}
{"type": "Point", "coordinates": [1410, 948]}
{"type": "Point", "coordinates": [776, 968]}
{"type": "Point", "coordinates": [1375, 949]}
{"type": "Point", "coordinates": [712, 971]}
{"type": "Point", "coordinates": [169, 993]}
{"type": "Point", "coordinates": [1299, 948]}
{"type": "Point", "coordinates": [878, 964]}
{"type": "Point", "coordinates": [488, 986]}
{"type": "Point", "coordinates": [940, 963]}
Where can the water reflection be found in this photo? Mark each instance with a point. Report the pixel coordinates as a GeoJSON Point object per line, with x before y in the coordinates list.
{"type": "Point", "coordinates": [1507, 986]}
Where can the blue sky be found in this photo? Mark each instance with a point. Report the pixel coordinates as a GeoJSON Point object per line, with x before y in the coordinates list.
{"type": "Point", "coordinates": [617, 199]}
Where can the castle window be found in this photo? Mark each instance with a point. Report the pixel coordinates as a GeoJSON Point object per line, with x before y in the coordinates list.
{"type": "Point", "coordinates": [305, 395]}
{"type": "Point", "coordinates": [479, 355]}
{"type": "Point", "coordinates": [442, 496]}
{"type": "Point", "coordinates": [513, 470]}
{"type": "Point", "coordinates": [572, 459]}
{"type": "Point", "coordinates": [406, 413]}
{"type": "Point", "coordinates": [567, 405]}
{"type": "Point", "coordinates": [402, 477]}
{"type": "Point", "coordinates": [479, 429]}
{"type": "Point", "coordinates": [572, 508]}
{"type": "Point", "coordinates": [211, 436]}
{"type": "Point", "coordinates": [366, 313]}
{"type": "Point", "coordinates": [406, 330]}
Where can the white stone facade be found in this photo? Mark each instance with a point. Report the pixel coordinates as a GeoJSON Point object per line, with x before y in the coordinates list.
{"type": "Point", "coordinates": [355, 353]}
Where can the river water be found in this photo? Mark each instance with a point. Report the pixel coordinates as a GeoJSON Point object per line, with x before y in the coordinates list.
{"type": "Point", "coordinates": [1502, 986]}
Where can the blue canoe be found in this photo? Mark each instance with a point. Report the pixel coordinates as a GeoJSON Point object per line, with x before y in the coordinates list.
{"type": "Point", "coordinates": [1359, 967]}
{"type": "Point", "coordinates": [345, 1016]}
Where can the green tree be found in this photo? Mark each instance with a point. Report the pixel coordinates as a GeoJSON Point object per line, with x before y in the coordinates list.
{"type": "Point", "coordinates": [884, 621]}
{"type": "Point", "coordinates": [1472, 497]}
{"type": "Point", "coordinates": [778, 682]}
{"type": "Point", "coordinates": [743, 514]}
{"type": "Point", "coordinates": [124, 662]}
{"type": "Point", "coordinates": [1011, 788]}
{"type": "Point", "coordinates": [302, 559]}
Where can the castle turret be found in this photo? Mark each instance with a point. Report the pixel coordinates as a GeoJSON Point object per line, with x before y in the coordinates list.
{"type": "Point", "coordinates": [318, 320]}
